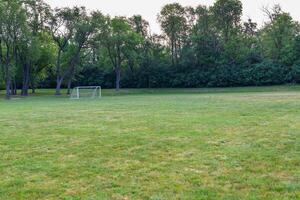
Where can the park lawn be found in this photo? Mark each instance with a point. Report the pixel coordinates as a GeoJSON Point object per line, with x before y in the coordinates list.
{"type": "Point", "coordinates": [239, 143]}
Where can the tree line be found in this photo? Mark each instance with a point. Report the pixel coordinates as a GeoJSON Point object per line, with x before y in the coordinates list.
{"type": "Point", "coordinates": [198, 47]}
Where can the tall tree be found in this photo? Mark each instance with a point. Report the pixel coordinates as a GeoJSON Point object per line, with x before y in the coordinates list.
{"type": "Point", "coordinates": [278, 36]}
{"type": "Point", "coordinates": [227, 14]}
{"type": "Point", "coordinates": [13, 25]}
{"type": "Point", "coordinates": [38, 16]}
{"type": "Point", "coordinates": [119, 39]}
{"type": "Point", "coordinates": [139, 57]}
{"type": "Point", "coordinates": [140, 25]}
{"type": "Point", "coordinates": [205, 41]}
{"type": "Point", "coordinates": [62, 27]}
{"type": "Point", "coordinates": [172, 19]}
{"type": "Point", "coordinates": [84, 30]}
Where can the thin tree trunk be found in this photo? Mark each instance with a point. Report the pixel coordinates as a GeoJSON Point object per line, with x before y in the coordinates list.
{"type": "Point", "coordinates": [14, 87]}
{"type": "Point", "coordinates": [172, 51]}
{"type": "Point", "coordinates": [32, 84]}
{"type": "Point", "coordinates": [14, 83]}
{"type": "Point", "coordinates": [175, 53]}
{"type": "Point", "coordinates": [69, 86]}
{"type": "Point", "coordinates": [58, 78]}
{"type": "Point", "coordinates": [73, 63]}
{"type": "Point", "coordinates": [26, 74]}
{"type": "Point", "coordinates": [58, 86]}
{"type": "Point", "coordinates": [7, 87]}
{"type": "Point", "coordinates": [72, 71]}
{"type": "Point", "coordinates": [1, 59]}
{"type": "Point", "coordinates": [118, 68]}
{"type": "Point", "coordinates": [7, 83]}
{"type": "Point", "coordinates": [7, 73]}
{"type": "Point", "coordinates": [118, 78]}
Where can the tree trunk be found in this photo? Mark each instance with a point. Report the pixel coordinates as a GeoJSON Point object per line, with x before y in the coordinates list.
{"type": "Point", "coordinates": [172, 52]}
{"type": "Point", "coordinates": [118, 78]}
{"type": "Point", "coordinates": [32, 84]}
{"type": "Point", "coordinates": [7, 84]}
{"type": "Point", "coordinates": [14, 88]}
{"type": "Point", "coordinates": [25, 87]}
{"type": "Point", "coordinates": [7, 73]}
{"type": "Point", "coordinates": [7, 87]}
{"type": "Point", "coordinates": [69, 86]}
{"type": "Point", "coordinates": [72, 71]}
{"type": "Point", "coordinates": [58, 78]}
{"type": "Point", "coordinates": [58, 86]}
{"type": "Point", "coordinates": [175, 53]}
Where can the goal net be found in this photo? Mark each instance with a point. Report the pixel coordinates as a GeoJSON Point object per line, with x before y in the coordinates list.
{"type": "Point", "coordinates": [92, 92]}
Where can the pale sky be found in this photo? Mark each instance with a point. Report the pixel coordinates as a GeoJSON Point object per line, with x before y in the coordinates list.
{"type": "Point", "coordinates": [150, 8]}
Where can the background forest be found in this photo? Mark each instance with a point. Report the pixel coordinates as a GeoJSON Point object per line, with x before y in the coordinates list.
{"type": "Point", "coordinates": [43, 47]}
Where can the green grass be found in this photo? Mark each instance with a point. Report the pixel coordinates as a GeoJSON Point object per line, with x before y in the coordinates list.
{"type": "Point", "coordinates": [238, 143]}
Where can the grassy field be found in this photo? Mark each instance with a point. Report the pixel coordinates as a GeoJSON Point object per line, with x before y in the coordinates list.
{"type": "Point", "coordinates": [239, 143]}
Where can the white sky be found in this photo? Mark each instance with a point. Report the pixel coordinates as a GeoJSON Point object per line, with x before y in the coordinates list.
{"type": "Point", "coordinates": [150, 8]}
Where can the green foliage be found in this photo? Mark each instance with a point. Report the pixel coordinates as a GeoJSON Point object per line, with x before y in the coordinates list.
{"type": "Point", "coordinates": [227, 15]}
{"type": "Point", "coordinates": [174, 24]}
{"type": "Point", "coordinates": [199, 47]}
{"type": "Point", "coordinates": [121, 43]}
{"type": "Point", "coordinates": [13, 30]}
{"type": "Point", "coordinates": [278, 38]}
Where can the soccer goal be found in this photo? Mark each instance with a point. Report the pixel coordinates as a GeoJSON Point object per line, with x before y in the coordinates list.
{"type": "Point", "coordinates": [92, 92]}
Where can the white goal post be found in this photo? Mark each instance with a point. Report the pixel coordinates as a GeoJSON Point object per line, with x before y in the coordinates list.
{"type": "Point", "coordinates": [92, 92]}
